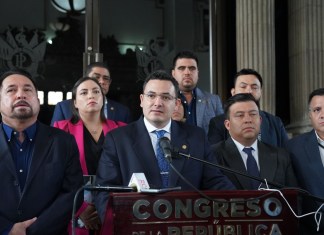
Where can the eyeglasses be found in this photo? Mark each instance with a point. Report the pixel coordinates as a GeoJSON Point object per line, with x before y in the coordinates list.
{"type": "Point", "coordinates": [104, 77]}
{"type": "Point", "coordinates": [164, 97]}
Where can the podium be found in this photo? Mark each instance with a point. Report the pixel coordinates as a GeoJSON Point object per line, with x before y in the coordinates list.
{"type": "Point", "coordinates": [189, 213]}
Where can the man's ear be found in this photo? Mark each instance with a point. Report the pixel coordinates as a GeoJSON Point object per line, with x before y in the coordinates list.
{"type": "Point", "coordinates": [141, 99]}
{"type": "Point", "coordinates": [233, 91]}
{"type": "Point", "coordinates": [227, 124]}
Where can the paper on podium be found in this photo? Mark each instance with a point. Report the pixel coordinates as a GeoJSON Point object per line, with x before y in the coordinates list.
{"type": "Point", "coordinates": [138, 181]}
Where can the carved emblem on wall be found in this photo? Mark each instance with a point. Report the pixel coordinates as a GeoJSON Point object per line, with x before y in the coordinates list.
{"type": "Point", "coordinates": [151, 57]}
{"type": "Point", "coordinates": [19, 50]}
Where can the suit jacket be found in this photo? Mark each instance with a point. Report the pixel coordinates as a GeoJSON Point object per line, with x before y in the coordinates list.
{"type": "Point", "coordinates": [273, 131]}
{"type": "Point", "coordinates": [116, 111]}
{"type": "Point", "coordinates": [275, 164]}
{"type": "Point", "coordinates": [207, 107]}
{"type": "Point", "coordinates": [77, 131]}
{"type": "Point", "coordinates": [306, 160]}
{"type": "Point", "coordinates": [53, 179]}
{"type": "Point", "coordinates": [129, 149]}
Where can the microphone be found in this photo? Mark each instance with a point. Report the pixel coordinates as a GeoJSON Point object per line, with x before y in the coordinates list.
{"type": "Point", "coordinates": [108, 188]}
{"type": "Point", "coordinates": [165, 145]}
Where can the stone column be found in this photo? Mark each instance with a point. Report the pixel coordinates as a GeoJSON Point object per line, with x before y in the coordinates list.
{"type": "Point", "coordinates": [306, 58]}
{"type": "Point", "coordinates": [255, 44]}
{"type": "Point", "coordinates": [92, 27]}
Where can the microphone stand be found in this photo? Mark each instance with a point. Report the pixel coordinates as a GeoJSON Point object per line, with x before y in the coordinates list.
{"type": "Point", "coordinates": [231, 170]}
{"type": "Point", "coordinates": [279, 186]}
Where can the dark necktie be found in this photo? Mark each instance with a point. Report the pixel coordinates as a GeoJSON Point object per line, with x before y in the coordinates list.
{"type": "Point", "coordinates": [252, 167]}
{"type": "Point", "coordinates": [163, 163]}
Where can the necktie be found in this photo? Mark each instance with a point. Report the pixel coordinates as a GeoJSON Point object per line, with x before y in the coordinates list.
{"type": "Point", "coordinates": [252, 167]}
{"type": "Point", "coordinates": [163, 163]}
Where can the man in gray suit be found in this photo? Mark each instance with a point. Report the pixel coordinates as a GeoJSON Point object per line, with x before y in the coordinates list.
{"type": "Point", "coordinates": [243, 151]}
{"type": "Point", "coordinates": [200, 106]}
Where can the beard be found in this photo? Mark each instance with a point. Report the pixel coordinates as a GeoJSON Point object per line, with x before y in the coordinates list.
{"type": "Point", "coordinates": [22, 114]}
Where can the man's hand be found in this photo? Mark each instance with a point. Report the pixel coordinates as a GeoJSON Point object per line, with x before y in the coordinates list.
{"type": "Point", "coordinates": [90, 218]}
{"type": "Point", "coordinates": [20, 228]}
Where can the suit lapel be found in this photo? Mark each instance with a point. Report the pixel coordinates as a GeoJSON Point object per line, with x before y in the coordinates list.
{"type": "Point", "coordinates": [144, 152]}
{"type": "Point", "coordinates": [268, 160]}
{"type": "Point", "coordinates": [234, 160]}
{"type": "Point", "coordinates": [43, 142]}
{"type": "Point", "coordinates": [5, 155]}
{"type": "Point", "coordinates": [313, 155]}
{"type": "Point", "coordinates": [111, 111]}
{"type": "Point", "coordinates": [200, 107]}
{"type": "Point", "coordinates": [178, 140]}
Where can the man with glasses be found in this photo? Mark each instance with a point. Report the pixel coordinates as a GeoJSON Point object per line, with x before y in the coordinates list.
{"type": "Point", "coordinates": [134, 148]}
{"type": "Point", "coordinates": [113, 110]}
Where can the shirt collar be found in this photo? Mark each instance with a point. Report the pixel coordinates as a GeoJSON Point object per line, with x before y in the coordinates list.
{"type": "Point", "coordinates": [30, 131]}
{"type": "Point", "coordinates": [193, 92]}
{"type": "Point", "coordinates": [319, 140]}
{"type": "Point", "coordinates": [150, 128]}
{"type": "Point", "coordinates": [241, 147]}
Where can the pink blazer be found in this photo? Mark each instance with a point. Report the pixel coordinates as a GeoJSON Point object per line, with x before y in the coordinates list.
{"type": "Point", "coordinates": [77, 131]}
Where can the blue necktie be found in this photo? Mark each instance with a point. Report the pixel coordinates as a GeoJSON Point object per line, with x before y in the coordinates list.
{"type": "Point", "coordinates": [163, 163]}
{"type": "Point", "coordinates": [252, 167]}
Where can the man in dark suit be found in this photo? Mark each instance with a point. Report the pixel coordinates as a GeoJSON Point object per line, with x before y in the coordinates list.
{"type": "Point", "coordinates": [39, 165]}
{"type": "Point", "coordinates": [133, 148]}
{"type": "Point", "coordinates": [308, 156]}
{"type": "Point", "coordinates": [272, 129]}
{"type": "Point", "coordinates": [113, 110]}
{"type": "Point", "coordinates": [242, 149]}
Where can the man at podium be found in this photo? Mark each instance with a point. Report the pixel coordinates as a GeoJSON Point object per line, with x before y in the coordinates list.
{"type": "Point", "coordinates": [135, 147]}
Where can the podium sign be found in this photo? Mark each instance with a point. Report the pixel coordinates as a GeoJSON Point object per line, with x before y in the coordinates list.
{"type": "Point", "coordinates": [189, 213]}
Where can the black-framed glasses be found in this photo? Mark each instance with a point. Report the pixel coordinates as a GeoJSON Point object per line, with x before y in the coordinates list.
{"type": "Point", "coordinates": [164, 97]}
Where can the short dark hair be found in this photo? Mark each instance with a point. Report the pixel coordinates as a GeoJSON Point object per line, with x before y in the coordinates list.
{"type": "Point", "coordinates": [19, 72]}
{"type": "Point", "coordinates": [246, 71]}
{"type": "Point", "coordinates": [185, 55]}
{"type": "Point", "coordinates": [241, 97]}
{"type": "Point", "coordinates": [75, 114]}
{"type": "Point", "coordinates": [164, 76]}
{"type": "Point", "coordinates": [95, 64]}
{"type": "Point", "coordinates": [317, 92]}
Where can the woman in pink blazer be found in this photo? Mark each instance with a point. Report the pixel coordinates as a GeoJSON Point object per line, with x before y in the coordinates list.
{"type": "Point", "coordinates": [89, 126]}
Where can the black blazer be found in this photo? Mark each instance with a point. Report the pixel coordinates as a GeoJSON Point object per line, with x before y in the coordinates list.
{"type": "Point", "coordinates": [53, 179]}
{"type": "Point", "coordinates": [275, 164]}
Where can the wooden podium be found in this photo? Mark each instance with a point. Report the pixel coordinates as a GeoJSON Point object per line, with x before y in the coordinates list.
{"type": "Point", "coordinates": [189, 213]}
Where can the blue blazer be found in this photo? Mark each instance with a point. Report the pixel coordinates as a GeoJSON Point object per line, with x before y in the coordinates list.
{"type": "Point", "coordinates": [273, 131]}
{"type": "Point", "coordinates": [116, 111]}
{"type": "Point", "coordinates": [207, 107]}
{"type": "Point", "coordinates": [53, 179]}
{"type": "Point", "coordinates": [275, 164]}
{"type": "Point", "coordinates": [306, 160]}
{"type": "Point", "coordinates": [129, 149]}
